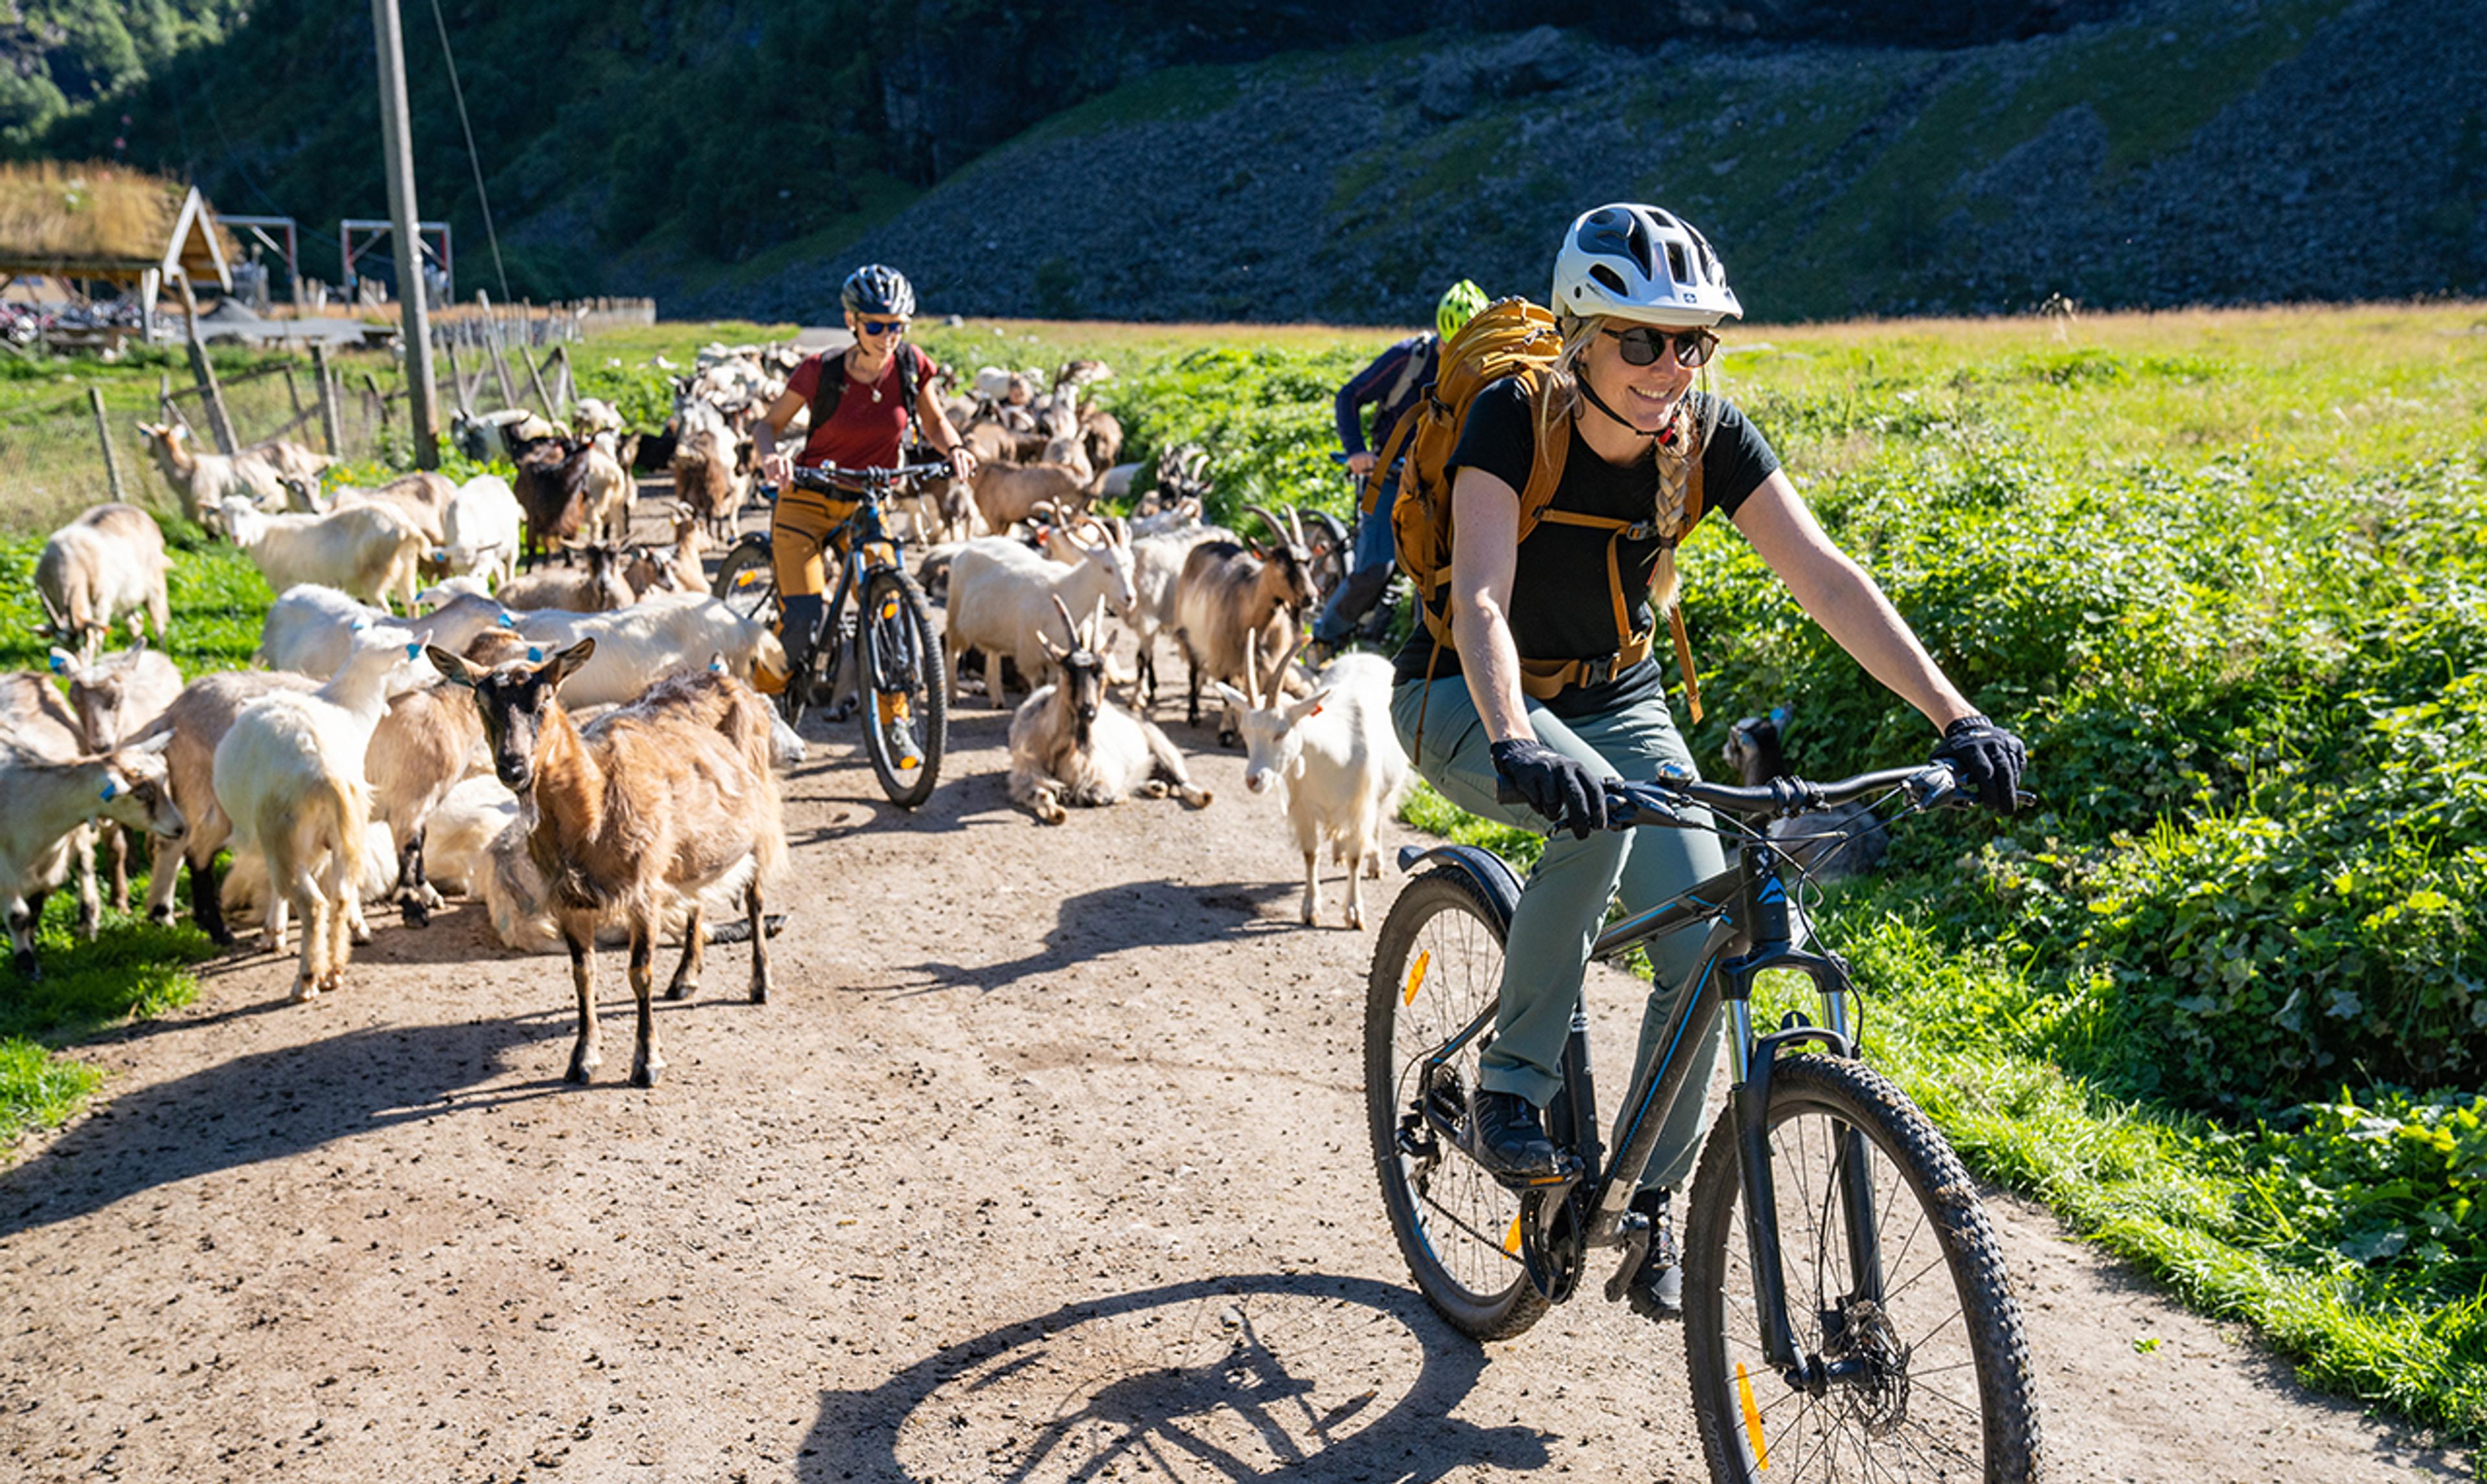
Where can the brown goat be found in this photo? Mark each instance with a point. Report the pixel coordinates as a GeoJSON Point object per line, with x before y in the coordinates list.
{"type": "Point", "coordinates": [1230, 592]}
{"type": "Point", "coordinates": [671, 797]}
{"type": "Point", "coordinates": [706, 480]}
{"type": "Point", "coordinates": [551, 488]}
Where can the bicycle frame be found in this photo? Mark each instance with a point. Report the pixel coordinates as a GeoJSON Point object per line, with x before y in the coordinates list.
{"type": "Point", "coordinates": [1751, 932]}
{"type": "Point", "coordinates": [867, 547]}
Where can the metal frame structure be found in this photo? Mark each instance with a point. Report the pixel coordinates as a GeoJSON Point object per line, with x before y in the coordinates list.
{"type": "Point", "coordinates": [258, 228]}
{"type": "Point", "coordinates": [372, 230]}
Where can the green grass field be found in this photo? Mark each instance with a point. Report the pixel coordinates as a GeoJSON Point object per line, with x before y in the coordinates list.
{"type": "Point", "coordinates": [2219, 1001]}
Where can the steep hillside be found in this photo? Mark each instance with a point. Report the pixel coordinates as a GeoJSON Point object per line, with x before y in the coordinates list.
{"type": "Point", "coordinates": [2197, 151]}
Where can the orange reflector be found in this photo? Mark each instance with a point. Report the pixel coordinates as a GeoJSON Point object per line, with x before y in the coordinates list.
{"type": "Point", "coordinates": [746, 577]}
{"type": "Point", "coordinates": [889, 609]}
{"type": "Point", "coordinates": [1511, 1238]}
{"type": "Point", "coordinates": [1416, 975]}
{"type": "Point", "coordinates": [1752, 1418]}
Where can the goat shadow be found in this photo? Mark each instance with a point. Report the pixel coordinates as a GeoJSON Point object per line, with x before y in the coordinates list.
{"type": "Point", "coordinates": [1185, 1380]}
{"type": "Point", "coordinates": [269, 1105]}
{"type": "Point", "coordinates": [1093, 925]}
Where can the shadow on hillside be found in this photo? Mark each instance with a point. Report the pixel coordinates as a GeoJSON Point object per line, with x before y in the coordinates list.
{"type": "Point", "coordinates": [1224, 1378]}
{"type": "Point", "coordinates": [1094, 924]}
{"type": "Point", "coordinates": [271, 1104]}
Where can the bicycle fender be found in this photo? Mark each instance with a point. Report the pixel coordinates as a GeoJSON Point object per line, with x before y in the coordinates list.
{"type": "Point", "coordinates": [1489, 871]}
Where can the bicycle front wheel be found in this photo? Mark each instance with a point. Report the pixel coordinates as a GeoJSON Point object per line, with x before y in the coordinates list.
{"type": "Point", "coordinates": [908, 722]}
{"type": "Point", "coordinates": [746, 579]}
{"type": "Point", "coordinates": [1438, 972]}
{"type": "Point", "coordinates": [1896, 1288]}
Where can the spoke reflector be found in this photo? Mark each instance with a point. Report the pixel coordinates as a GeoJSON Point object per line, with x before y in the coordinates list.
{"type": "Point", "coordinates": [1752, 1418]}
{"type": "Point", "coordinates": [889, 609]}
{"type": "Point", "coordinates": [1511, 1238]}
{"type": "Point", "coordinates": [1416, 975]}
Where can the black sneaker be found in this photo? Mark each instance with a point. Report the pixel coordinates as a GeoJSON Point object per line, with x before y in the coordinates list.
{"type": "Point", "coordinates": [1657, 1287]}
{"type": "Point", "coordinates": [1509, 1139]}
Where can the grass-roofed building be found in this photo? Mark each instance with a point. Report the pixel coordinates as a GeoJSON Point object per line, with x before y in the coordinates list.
{"type": "Point", "coordinates": [90, 223]}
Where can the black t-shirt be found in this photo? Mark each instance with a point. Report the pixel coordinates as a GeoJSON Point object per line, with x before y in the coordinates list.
{"type": "Point", "coordinates": [1561, 604]}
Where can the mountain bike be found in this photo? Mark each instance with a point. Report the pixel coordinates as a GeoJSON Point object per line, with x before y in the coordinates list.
{"type": "Point", "coordinates": [886, 641]}
{"type": "Point", "coordinates": [1847, 1313]}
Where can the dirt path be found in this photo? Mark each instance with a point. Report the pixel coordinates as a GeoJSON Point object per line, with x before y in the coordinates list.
{"type": "Point", "coordinates": [1046, 1161]}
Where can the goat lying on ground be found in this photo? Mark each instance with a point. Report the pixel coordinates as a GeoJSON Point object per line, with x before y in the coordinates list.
{"type": "Point", "coordinates": [1334, 762]}
{"type": "Point", "coordinates": [672, 798]}
{"type": "Point", "coordinates": [1069, 744]}
{"type": "Point", "coordinates": [109, 562]}
{"type": "Point", "coordinates": [598, 588]}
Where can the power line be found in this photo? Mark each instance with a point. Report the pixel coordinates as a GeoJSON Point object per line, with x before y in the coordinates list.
{"type": "Point", "coordinates": [472, 158]}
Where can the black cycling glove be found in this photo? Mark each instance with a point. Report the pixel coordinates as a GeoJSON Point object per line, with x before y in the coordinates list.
{"type": "Point", "coordinates": [1559, 788]}
{"type": "Point", "coordinates": [1988, 759]}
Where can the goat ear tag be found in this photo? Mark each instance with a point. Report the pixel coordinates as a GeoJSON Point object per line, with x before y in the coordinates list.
{"type": "Point", "coordinates": [535, 656]}
{"type": "Point", "coordinates": [509, 619]}
{"type": "Point", "coordinates": [60, 666]}
{"type": "Point", "coordinates": [111, 787]}
{"type": "Point", "coordinates": [357, 626]}
{"type": "Point", "coordinates": [415, 652]}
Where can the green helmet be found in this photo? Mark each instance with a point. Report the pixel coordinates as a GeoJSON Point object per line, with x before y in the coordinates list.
{"type": "Point", "coordinates": [1459, 305]}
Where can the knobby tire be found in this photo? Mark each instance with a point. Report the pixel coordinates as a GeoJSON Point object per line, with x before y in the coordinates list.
{"type": "Point", "coordinates": [1450, 1218]}
{"type": "Point", "coordinates": [1954, 1398]}
{"type": "Point", "coordinates": [886, 643]}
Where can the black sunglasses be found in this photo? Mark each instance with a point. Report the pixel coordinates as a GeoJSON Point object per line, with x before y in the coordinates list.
{"type": "Point", "coordinates": [1642, 343]}
{"type": "Point", "coordinates": [882, 326]}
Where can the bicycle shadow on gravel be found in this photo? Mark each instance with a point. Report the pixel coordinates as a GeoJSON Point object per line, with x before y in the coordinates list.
{"type": "Point", "coordinates": [1095, 924]}
{"type": "Point", "coordinates": [1218, 1379]}
{"type": "Point", "coordinates": [266, 1106]}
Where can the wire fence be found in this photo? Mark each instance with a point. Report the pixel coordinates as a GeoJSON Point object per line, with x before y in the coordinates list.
{"type": "Point", "coordinates": [52, 466]}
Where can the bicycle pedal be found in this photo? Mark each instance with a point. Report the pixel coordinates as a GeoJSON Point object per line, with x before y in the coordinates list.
{"type": "Point", "coordinates": [1637, 1231]}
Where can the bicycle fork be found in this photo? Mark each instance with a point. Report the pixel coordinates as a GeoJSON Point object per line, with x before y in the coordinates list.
{"type": "Point", "coordinates": [1749, 1102]}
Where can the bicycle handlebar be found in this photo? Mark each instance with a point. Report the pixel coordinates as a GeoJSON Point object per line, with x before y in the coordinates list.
{"type": "Point", "coordinates": [825, 476]}
{"type": "Point", "coordinates": [1928, 786]}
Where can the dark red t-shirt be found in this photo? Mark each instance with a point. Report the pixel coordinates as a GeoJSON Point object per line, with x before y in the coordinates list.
{"type": "Point", "coordinates": [869, 421]}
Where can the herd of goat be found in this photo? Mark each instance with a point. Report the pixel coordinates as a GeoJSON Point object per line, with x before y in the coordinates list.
{"type": "Point", "coordinates": [436, 707]}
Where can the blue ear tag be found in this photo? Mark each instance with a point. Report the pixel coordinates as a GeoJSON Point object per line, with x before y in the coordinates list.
{"type": "Point", "coordinates": [60, 667]}
{"type": "Point", "coordinates": [716, 667]}
{"type": "Point", "coordinates": [1779, 716]}
{"type": "Point", "coordinates": [535, 656]}
{"type": "Point", "coordinates": [357, 626]}
{"type": "Point", "coordinates": [415, 652]}
{"type": "Point", "coordinates": [111, 787]}
{"type": "Point", "coordinates": [509, 619]}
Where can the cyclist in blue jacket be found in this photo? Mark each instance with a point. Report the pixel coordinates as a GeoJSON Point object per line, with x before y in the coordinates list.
{"type": "Point", "coordinates": [1390, 385]}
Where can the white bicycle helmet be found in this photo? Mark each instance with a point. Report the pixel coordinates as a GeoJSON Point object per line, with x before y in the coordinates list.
{"type": "Point", "coordinates": [1644, 264]}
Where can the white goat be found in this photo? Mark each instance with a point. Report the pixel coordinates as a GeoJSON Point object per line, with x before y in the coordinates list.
{"type": "Point", "coordinates": [115, 699]}
{"type": "Point", "coordinates": [204, 481]}
{"type": "Point", "coordinates": [309, 628]}
{"type": "Point", "coordinates": [482, 528]}
{"type": "Point", "coordinates": [1335, 760]}
{"type": "Point", "coordinates": [107, 563]}
{"type": "Point", "coordinates": [1001, 593]}
{"type": "Point", "coordinates": [635, 646]}
{"type": "Point", "coordinates": [51, 802]}
{"type": "Point", "coordinates": [1069, 744]}
{"type": "Point", "coordinates": [290, 776]}
{"type": "Point", "coordinates": [195, 723]}
{"type": "Point", "coordinates": [370, 550]}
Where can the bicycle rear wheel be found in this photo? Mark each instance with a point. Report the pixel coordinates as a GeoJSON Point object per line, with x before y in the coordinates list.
{"type": "Point", "coordinates": [902, 662]}
{"type": "Point", "coordinates": [1932, 1380]}
{"type": "Point", "coordinates": [1436, 969]}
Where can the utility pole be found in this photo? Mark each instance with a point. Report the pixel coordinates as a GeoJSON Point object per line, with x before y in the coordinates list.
{"type": "Point", "coordinates": [399, 147]}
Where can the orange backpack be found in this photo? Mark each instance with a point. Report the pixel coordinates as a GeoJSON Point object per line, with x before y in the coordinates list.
{"type": "Point", "coordinates": [1512, 338]}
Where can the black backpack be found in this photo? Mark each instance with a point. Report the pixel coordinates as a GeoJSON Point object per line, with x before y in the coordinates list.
{"type": "Point", "coordinates": [912, 365]}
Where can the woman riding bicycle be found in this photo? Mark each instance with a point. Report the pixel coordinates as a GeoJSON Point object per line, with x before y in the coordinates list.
{"type": "Point", "coordinates": [1540, 686]}
{"type": "Point", "coordinates": [861, 403]}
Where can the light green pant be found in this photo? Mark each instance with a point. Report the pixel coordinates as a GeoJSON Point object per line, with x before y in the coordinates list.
{"type": "Point", "coordinates": [1563, 907]}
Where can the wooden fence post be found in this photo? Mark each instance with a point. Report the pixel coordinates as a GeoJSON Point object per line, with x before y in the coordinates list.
{"type": "Point", "coordinates": [379, 403]}
{"type": "Point", "coordinates": [219, 422]}
{"type": "Point", "coordinates": [328, 397]}
{"type": "Point", "coordinates": [458, 379]}
{"type": "Point", "coordinates": [535, 379]}
{"type": "Point", "coordinates": [499, 350]}
{"type": "Point", "coordinates": [104, 436]}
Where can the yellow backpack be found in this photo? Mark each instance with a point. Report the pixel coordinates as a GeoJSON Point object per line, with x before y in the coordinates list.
{"type": "Point", "coordinates": [1512, 338]}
